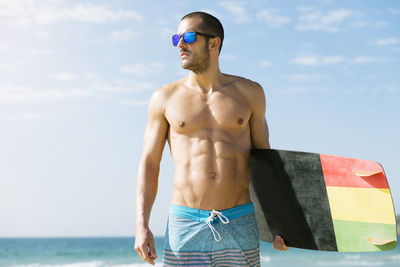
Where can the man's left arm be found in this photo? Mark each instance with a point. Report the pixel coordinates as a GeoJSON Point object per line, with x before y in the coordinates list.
{"type": "Point", "coordinates": [258, 124]}
{"type": "Point", "coordinates": [260, 136]}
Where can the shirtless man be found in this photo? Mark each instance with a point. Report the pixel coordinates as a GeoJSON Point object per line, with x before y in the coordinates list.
{"type": "Point", "coordinates": [211, 121]}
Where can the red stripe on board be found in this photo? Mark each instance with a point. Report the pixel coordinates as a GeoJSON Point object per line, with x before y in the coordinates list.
{"type": "Point", "coordinates": [340, 172]}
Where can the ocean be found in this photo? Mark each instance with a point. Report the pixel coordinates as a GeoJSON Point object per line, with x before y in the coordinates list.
{"type": "Point", "coordinates": [119, 252]}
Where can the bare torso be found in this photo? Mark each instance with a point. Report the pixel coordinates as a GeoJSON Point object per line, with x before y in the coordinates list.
{"type": "Point", "coordinates": [209, 138]}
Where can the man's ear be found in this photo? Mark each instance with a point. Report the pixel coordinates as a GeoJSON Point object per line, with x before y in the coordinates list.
{"type": "Point", "coordinates": [215, 43]}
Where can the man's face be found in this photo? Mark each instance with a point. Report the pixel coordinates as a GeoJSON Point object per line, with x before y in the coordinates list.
{"type": "Point", "coordinates": [195, 56]}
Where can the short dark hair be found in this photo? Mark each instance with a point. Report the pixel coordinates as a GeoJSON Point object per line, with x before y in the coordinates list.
{"type": "Point", "coordinates": [210, 25]}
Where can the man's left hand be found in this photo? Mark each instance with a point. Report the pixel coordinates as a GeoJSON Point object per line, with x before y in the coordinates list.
{"type": "Point", "coordinates": [279, 244]}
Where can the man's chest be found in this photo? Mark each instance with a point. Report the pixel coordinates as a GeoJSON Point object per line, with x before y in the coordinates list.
{"type": "Point", "coordinates": [188, 112]}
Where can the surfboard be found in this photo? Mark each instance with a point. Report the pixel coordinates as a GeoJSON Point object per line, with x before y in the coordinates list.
{"type": "Point", "coordinates": [322, 202]}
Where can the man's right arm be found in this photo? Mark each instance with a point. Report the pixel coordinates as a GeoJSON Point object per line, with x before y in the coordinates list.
{"type": "Point", "coordinates": [147, 179]}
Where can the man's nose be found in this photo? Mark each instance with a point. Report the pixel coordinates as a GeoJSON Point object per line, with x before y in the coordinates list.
{"type": "Point", "coordinates": [181, 43]}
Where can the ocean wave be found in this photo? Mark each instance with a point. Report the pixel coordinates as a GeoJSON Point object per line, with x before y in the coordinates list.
{"type": "Point", "coordinates": [265, 259]}
{"type": "Point", "coordinates": [353, 257]}
{"type": "Point", "coordinates": [350, 263]}
{"type": "Point", "coordinates": [395, 257]}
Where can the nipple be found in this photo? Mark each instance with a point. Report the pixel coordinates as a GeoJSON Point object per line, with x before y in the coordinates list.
{"type": "Point", "coordinates": [240, 120]}
{"type": "Point", "coordinates": [181, 124]}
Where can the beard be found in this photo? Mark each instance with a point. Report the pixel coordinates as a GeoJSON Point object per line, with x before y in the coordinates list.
{"type": "Point", "coordinates": [197, 62]}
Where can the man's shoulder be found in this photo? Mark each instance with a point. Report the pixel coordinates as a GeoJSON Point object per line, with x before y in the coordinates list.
{"type": "Point", "coordinates": [168, 89]}
{"type": "Point", "coordinates": [249, 89]}
{"type": "Point", "coordinates": [162, 95]}
{"type": "Point", "coordinates": [243, 84]}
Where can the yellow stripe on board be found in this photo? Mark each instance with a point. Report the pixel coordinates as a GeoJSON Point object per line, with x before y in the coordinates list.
{"type": "Point", "coordinates": [372, 205]}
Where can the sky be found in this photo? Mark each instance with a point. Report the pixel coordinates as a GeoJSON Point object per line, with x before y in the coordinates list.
{"type": "Point", "coordinates": [76, 77]}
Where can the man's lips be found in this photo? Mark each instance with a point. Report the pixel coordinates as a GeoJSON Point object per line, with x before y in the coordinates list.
{"type": "Point", "coordinates": [183, 53]}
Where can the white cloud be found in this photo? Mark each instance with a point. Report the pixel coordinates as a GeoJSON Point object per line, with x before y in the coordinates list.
{"type": "Point", "coordinates": [91, 85]}
{"type": "Point", "coordinates": [10, 94]}
{"type": "Point", "coordinates": [165, 32]}
{"type": "Point", "coordinates": [141, 69]}
{"type": "Point", "coordinates": [389, 41]}
{"type": "Point", "coordinates": [123, 35]}
{"type": "Point", "coordinates": [380, 24]}
{"type": "Point", "coordinates": [307, 60]}
{"type": "Point", "coordinates": [302, 89]}
{"type": "Point", "coordinates": [4, 47]}
{"type": "Point", "coordinates": [296, 89]}
{"type": "Point", "coordinates": [97, 14]}
{"type": "Point", "coordinates": [363, 60]}
{"type": "Point", "coordinates": [326, 2]}
{"type": "Point", "coordinates": [272, 18]}
{"type": "Point", "coordinates": [311, 19]}
{"type": "Point", "coordinates": [332, 60]}
{"type": "Point", "coordinates": [359, 24]}
{"type": "Point", "coordinates": [42, 34]}
{"type": "Point", "coordinates": [317, 60]}
{"type": "Point", "coordinates": [212, 12]}
{"type": "Point", "coordinates": [392, 88]}
{"type": "Point", "coordinates": [302, 77]}
{"type": "Point", "coordinates": [392, 10]}
{"type": "Point", "coordinates": [45, 51]}
{"type": "Point", "coordinates": [20, 13]}
{"type": "Point", "coordinates": [180, 71]}
{"type": "Point", "coordinates": [336, 16]}
{"type": "Point", "coordinates": [237, 10]}
{"type": "Point", "coordinates": [227, 57]}
{"type": "Point", "coordinates": [265, 63]}
{"type": "Point", "coordinates": [126, 87]}
{"type": "Point", "coordinates": [26, 117]}
{"type": "Point", "coordinates": [117, 86]}
{"type": "Point", "coordinates": [134, 103]}
{"type": "Point", "coordinates": [65, 77]}
{"type": "Point", "coordinates": [305, 8]}
{"type": "Point", "coordinates": [14, 64]}
{"type": "Point", "coordinates": [385, 88]}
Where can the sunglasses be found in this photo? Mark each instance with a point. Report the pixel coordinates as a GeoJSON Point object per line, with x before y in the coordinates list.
{"type": "Point", "coordinates": [188, 37]}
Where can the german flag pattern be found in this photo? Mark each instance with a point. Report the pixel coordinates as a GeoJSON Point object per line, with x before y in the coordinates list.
{"type": "Point", "coordinates": [361, 204]}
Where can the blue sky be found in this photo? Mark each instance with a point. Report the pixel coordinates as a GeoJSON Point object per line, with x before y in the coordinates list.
{"type": "Point", "coordinates": [76, 76]}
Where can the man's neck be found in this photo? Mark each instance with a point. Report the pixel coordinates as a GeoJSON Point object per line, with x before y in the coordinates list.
{"type": "Point", "coordinates": [206, 81]}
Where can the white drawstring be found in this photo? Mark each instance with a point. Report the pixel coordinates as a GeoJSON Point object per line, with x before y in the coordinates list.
{"type": "Point", "coordinates": [221, 217]}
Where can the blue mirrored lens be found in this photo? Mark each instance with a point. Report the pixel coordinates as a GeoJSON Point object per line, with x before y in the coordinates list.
{"type": "Point", "coordinates": [189, 37]}
{"type": "Point", "coordinates": [175, 39]}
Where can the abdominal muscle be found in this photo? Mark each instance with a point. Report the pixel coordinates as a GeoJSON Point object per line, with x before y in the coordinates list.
{"type": "Point", "coordinates": [211, 169]}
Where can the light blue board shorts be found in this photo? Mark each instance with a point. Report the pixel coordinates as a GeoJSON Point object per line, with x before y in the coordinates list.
{"type": "Point", "coordinates": [212, 238]}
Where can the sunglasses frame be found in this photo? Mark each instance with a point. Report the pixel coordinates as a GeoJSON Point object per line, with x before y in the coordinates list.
{"type": "Point", "coordinates": [183, 36]}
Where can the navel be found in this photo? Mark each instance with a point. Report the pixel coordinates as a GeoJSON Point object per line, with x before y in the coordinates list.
{"type": "Point", "coordinates": [181, 124]}
{"type": "Point", "coordinates": [240, 120]}
{"type": "Point", "coordinates": [213, 175]}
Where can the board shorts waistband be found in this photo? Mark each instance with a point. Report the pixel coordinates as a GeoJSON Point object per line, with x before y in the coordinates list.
{"type": "Point", "coordinates": [202, 215]}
